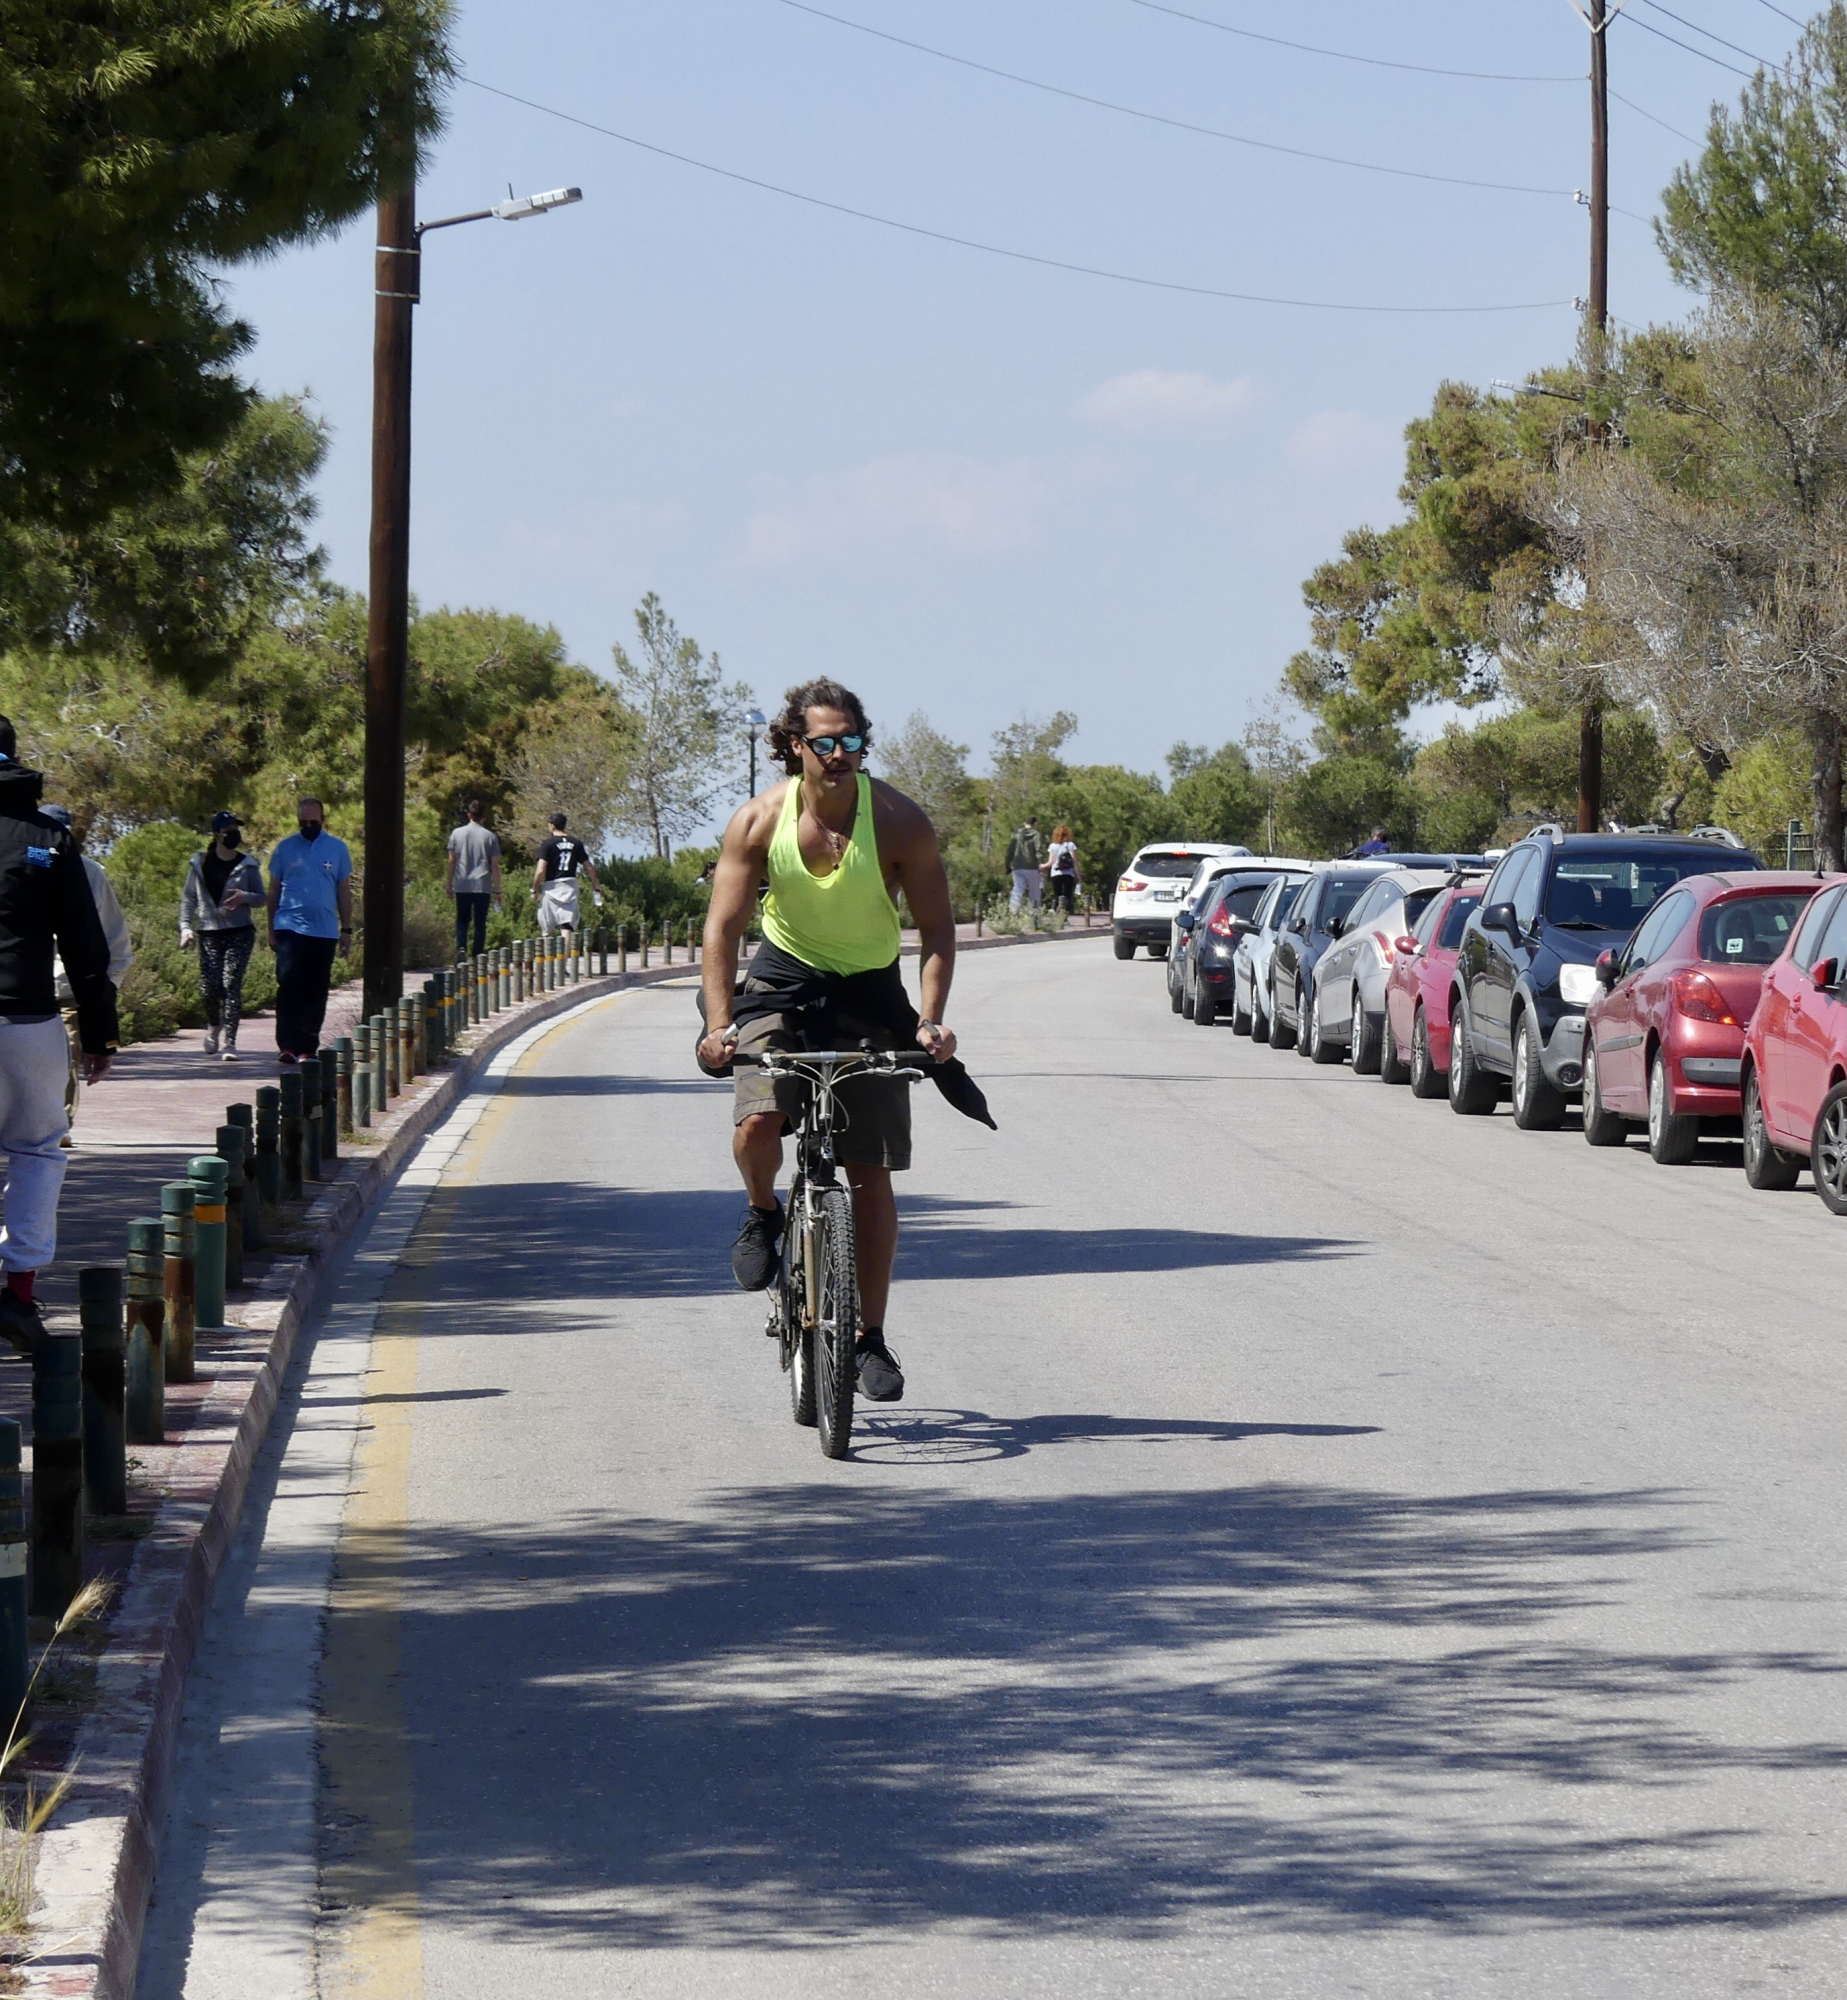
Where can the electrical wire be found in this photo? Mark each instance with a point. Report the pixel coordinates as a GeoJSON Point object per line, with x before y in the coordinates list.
{"type": "Point", "coordinates": [1653, 120]}
{"type": "Point", "coordinates": [1793, 19]}
{"type": "Point", "coordinates": [1343, 55]}
{"type": "Point", "coordinates": [1764, 62]}
{"type": "Point", "coordinates": [991, 249]}
{"type": "Point", "coordinates": [1177, 124]}
{"type": "Point", "coordinates": [1649, 28]}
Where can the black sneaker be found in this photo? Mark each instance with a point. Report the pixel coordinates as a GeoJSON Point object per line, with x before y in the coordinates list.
{"type": "Point", "coordinates": [20, 1324]}
{"type": "Point", "coordinates": [756, 1256]}
{"type": "Point", "coordinates": [881, 1380]}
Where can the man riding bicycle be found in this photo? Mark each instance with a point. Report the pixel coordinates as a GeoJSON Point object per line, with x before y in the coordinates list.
{"type": "Point", "coordinates": [836, 847]}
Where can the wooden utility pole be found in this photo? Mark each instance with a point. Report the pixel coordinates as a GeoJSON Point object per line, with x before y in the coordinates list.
{"type": "Point", "coordinates": [395, 284]}
{"type": "Point", "coordinates": [1590, 719]}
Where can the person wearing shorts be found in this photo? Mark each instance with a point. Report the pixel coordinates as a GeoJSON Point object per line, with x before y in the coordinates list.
{"type": "Point", "coordinates": [835, 847]}
{"type": "Point", "coordinates": [562, 861]}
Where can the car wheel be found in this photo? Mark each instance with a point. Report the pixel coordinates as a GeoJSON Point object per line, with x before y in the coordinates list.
{"type": "Point", "coordinates": [1176, 985]}
{"type": "Point", "coordinates": [1242, 1018]}
{"type": "Point", "coordinates": [1321, 1048]}
{"type": "Point", "coordinates": [1764, 1166]}
{"type": "Point", "coordinates": [1538, 1106]}
{"type": "Point", "coordinates": [1472, 1092]}
{"type": "Point", "coordinates": [1828, 1152]}
{"type": "Point", "coordinates": [1392, 1066]}
{"type": "Point", "coordinates": [1672, 1139]}
{"type": "Point", "coordinates": [1157, 951]}
{"type": "Point", "coordinates": [1426, 1079]}
{"type": "Point", "coordinates": [1282, 1035]}
{"type": "Point", "coordinates": [1601, 1127]}
{"type": "Point", "coordinates": [1260, 1021]}
{"type": "Point", "coordinates": [1124, 947]}
{"type": "Point", "coordinates": [1365, 1040]}
{"type": "Point", "coordinates": [1205, 1007]}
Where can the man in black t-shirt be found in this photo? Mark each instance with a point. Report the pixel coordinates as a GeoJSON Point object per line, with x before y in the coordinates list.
{"type": "Point", "coordinates": [562, 860]}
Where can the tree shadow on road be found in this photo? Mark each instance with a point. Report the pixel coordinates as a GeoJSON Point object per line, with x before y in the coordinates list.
{"type": "Point", "coordinates": [809, 1715]}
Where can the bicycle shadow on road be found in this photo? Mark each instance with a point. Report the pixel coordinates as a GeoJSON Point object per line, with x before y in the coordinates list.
{"type": "Point", "coordinates": [967, 1437]}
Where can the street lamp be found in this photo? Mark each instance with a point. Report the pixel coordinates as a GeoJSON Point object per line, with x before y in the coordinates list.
{"type": "Point", "coordinates": [397, 286]}
{"type": "Point", "coordinates": [754, 719]}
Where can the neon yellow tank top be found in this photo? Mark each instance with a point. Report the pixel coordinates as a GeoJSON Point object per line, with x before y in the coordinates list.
{"type": "Point", "coordinates": [843, 922]}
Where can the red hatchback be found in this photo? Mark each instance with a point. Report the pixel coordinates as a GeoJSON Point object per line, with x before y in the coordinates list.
{"type": "Point", "coordinates": [1664, 1040]}
{"type": "Point", "coordinates": [1795, 1059]}
{"type": "Point", "coordinates": [1417, 992]}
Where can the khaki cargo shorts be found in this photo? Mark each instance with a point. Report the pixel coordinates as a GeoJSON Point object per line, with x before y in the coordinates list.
{"type": "Point", "coordinates": [873, 1125]}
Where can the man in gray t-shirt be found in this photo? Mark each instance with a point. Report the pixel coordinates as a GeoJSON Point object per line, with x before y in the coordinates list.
{"type": "Point", "coordinates": [473, 877]}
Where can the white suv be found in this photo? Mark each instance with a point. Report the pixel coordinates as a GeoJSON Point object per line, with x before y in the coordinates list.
{"type": "Point", "coordinates": [1151, 888]}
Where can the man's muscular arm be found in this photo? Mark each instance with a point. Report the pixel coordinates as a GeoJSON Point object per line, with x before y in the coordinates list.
{"type": "Point", "coordinates": [917, 861]}
{"type": "Point", "coordinates": [741, 861]}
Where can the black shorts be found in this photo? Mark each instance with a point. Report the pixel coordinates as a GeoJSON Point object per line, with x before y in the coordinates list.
{"type": "Point", "coordinates": [873, 1128]}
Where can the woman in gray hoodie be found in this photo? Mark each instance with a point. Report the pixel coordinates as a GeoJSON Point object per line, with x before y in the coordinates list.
{"type": "Point", "coordinates": [223, 886]}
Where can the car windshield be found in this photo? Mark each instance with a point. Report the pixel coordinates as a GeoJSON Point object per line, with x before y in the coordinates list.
{"type": "Point", "coordinates": [1285, 902]}
{"type": "Point", "coordinates": [1242, 901]}
{"type": "Point", "coordinates": [1454, 918]}
{"type": "Point", "coordinates": [1164, 867]}
{"type": "Point", "coordinates": [1416, 903]}
{"type": "Point", "coordinates": [1341, 897]}
{"type": "Point", "coordinates": [1615, 891]}
{"type": "Point", "coordinates": [1751, 930]}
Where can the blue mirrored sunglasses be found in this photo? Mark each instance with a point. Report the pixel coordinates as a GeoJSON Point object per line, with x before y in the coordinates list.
{"type": "Point", "coordinates": [825, 746]}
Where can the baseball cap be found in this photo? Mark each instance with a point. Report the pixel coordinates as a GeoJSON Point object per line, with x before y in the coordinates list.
{"type": "Point", "coordinates": [222, 820]}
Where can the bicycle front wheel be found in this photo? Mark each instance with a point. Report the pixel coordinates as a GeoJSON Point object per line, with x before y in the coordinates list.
{"type": "Point", "coordinates": [836, 1320]}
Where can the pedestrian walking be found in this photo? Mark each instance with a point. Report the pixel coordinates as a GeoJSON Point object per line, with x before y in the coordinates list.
{"type": "Point", "coordinates": [1025, 859]}
{"type": "Point", "coordinates": [1061, 869]}
{"type": "Point", "coordinates": [310, 918]}
{"type": "Point", "coordinates": [121, 957]}
{"type": "Point", "coordinates": [562, 860]}
{"type": "Point", "coordinates": [472, 877]}
{"type": "Point", "coordinates": [46, 906]}
{"type": "Point", "coordinates": [224, 885]}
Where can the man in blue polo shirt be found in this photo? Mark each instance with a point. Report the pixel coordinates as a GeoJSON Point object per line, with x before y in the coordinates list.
{"type": "Point", "coordinates": [310, 918]}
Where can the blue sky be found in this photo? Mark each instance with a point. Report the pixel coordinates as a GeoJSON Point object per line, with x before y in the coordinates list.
{"type": "Point", "coordinates": [964, 484]}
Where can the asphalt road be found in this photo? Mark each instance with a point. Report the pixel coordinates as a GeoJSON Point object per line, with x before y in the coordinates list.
{"type": "Point", "coordinates": [1328, 1547]}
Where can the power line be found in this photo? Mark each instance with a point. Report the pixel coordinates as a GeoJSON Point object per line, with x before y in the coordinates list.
{"type": "Point", "coordinates": [1158, 118]}
{"type": "Point", "coordinates": [1763, 62]}
{"type": "Point", "coordinates": [1343, 55]}
{"type": "Point", "coordinates": [992, 249]}
{"type": "Point", "coordinates": [1794, 20]}
{"type": "Point", "coordinates": [1648, 28]}
{"type": "Point", "coordinates": [1653, 120]}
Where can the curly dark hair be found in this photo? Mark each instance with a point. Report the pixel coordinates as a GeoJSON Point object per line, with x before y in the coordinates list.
{"type": "Point", "coordinates": [792, 721]}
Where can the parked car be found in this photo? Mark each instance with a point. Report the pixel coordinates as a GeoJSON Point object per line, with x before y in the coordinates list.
{"type": "Point", "coordinates": [1417, 991]}
{"type": "Point", "coordinates": [1205, 878]}
{"type": "Point", "coordinates": [1150, 888]}
{"type": "Point", "coordinates": [1250, 963]}
{"type": "Point", "coordinates": [1211, 933]}
{"type": "Point", "coordinates": [1793, 1085]}
{"type": "Point", "coordinates": [1526, 968]}
{"type": "Point", "coordinates": [1347, 1009]}
{"type": "Point", "coordinates": [1664, 1037]}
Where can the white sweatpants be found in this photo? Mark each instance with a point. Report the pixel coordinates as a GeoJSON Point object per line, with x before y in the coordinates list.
{"type": "Point", "coordinates": [558, 905]}
{"type": "Point", "coordinates": [34, 1061]}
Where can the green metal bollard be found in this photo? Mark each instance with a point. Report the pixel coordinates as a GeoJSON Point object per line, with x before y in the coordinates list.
{"type": "Point", "coordinates": [393, 1053]}
{"type": "Point", "coordinates": [666, 942]}
{"type": "Point", "coordinates": [692, 954]}
{"type": "Point", "coordinates": [309, 1071]}
{"type": "Point", "coordinates": [380, 1067]}
{"type": "Point", "coordinates": [13, 1670]}
{"type": "Point", "coordinates": [244, 1116]}
{"type": "Point", "coordinates": [407, 1042]}
{"type": "Point", "coordinates": [622, 950]}
{"type": "Point", "coordinates": [521, 953]}
{"type": "Point", "coordinates": [647, 933]}
{"type": "Point", "coordinates": [362, 1076]}
{"type": "Point", "coordinates": [207, 1173]}
{"type": "Point", "coordinates": [330, 1108]}
{"type": "Point", "coordinates": [269, 1147]}
{"type": "Point", "coordinates": [105, 1441]}
{"type": "Point", "coordinates": [179, 1278]}
{"type": "Point", "coordinates": [343, 1084]}
{"type": "Point", "coordinates": [147, 1329]}
{"type": "Point", "coordinates": [57, 1474]}
{"type": "Point", "coordinates": [290, 1141]}
{"type": "Point", "coordinates": [229, 1140]}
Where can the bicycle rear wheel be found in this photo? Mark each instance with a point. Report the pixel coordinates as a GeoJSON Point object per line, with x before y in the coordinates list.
{"type": "Point", "coordinates": [836, 1321]}
{"type": "Point", "coordinates": [797, 1350]}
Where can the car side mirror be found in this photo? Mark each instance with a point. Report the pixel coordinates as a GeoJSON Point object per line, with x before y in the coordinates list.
{"type": "Point", "coordinates": [1823, 973]}
{"type": "Point", "coordinates": [1606, 969]}
{"type": "Point", "coordinates": [1405, 945]}
{"type": "Point", "coordinates": [1335, 926]}
{"type": "Point", "coordinates": [1501, 917]}
{"type": "Point", "coordinates": [1185, 919]}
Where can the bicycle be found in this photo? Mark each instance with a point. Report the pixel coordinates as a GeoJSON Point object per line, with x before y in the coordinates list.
{"type": "Point", "coordinates": [814, 1303]}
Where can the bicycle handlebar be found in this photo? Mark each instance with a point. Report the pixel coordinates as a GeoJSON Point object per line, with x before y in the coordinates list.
{"type": "Point", "coordinates": [885, 1062]}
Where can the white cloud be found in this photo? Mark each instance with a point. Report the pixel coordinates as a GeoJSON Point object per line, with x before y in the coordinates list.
{"type": "Point", "coordinates": [1340, 442]}
{"type": "Point", "coordinates": [930, 498]}
{"type": "Point", "coordinates": [1162, 399]}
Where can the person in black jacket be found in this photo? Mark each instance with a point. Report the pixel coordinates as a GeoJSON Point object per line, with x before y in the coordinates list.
{"type": "Point", "coordinates": [45, 905]}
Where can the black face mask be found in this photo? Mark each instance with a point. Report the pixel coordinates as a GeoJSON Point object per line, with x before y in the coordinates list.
{"type": "Point", "coordinates": [230, 837]}
{"type": "Point", "coordinates": [310, 828]}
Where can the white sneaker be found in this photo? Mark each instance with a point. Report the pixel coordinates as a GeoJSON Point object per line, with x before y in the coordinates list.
{"type": "Point", "coordinates": [228, 1053]}
{"type": "Point", "coordinates": [211, 1041]}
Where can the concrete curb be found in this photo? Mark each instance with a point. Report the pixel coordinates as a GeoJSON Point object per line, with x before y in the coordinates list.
{"type": "Point", "coordinates": [96, 1862]}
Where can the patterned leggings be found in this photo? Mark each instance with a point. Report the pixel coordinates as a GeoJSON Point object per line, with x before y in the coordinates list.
{"type": "Point", "coordinates": [223, 958]}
